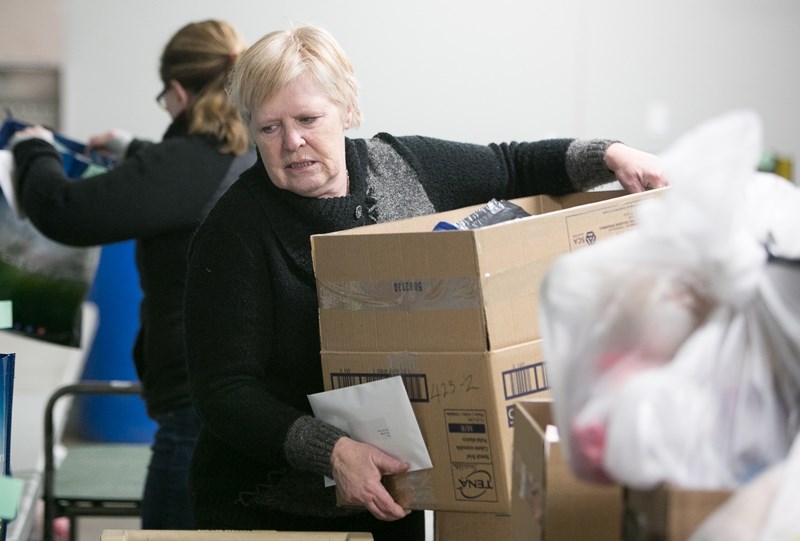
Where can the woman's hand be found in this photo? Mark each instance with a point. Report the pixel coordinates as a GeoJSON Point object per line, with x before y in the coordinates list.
{"type": "Point", "coordinates": [357, 469]}
{"type": "Point", "coordinates": [31, 132]}
{"type": "Point", "coordinates": [636, 170]}
{"type": "Point", "coordinates": [113, 142]}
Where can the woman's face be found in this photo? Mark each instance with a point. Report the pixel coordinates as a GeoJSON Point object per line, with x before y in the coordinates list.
{"type": "Point", "coordinates": [300, 135]}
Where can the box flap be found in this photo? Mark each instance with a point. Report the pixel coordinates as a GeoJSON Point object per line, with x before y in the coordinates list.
{"type": "Point", "coordinates": [529, 470]}
{"type": "Point", "coordinates": [546, 498]}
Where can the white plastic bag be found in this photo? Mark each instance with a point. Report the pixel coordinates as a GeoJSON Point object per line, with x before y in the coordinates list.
{"type": "Point", "coordinates": [762, 510]}
{"type": "Point", "coordinates": [661, 342]}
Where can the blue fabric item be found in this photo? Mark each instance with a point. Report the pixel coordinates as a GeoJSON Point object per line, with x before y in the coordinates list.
{"type": "Point", "coordinates": [77, 159]}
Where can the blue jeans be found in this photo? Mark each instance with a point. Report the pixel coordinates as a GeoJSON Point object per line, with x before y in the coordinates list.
{"type": "Point", "coordinates": [166, 504]}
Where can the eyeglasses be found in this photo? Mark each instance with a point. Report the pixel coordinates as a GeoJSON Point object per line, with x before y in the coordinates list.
{"type": "Point", "coordinates": [160, 99]}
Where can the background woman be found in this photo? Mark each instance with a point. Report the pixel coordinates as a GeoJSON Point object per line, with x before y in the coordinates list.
{"type": "Point", "coordinates": [157, 194]}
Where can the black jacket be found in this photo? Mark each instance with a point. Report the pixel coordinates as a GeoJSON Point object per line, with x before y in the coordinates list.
{"type": "Point", "coordinates": [157, 195]}
{"type": "Point", "coordinates": [251, 305]}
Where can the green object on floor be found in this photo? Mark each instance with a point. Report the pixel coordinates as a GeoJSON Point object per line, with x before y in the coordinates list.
{"type": "Point", "coordinates": [10, 494]}
{"type": "Point", "coordinates": [6, 320]}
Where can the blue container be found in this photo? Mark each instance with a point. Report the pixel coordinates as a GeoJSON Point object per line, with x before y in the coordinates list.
{"type": "Point", "coordinates": [116, 292]}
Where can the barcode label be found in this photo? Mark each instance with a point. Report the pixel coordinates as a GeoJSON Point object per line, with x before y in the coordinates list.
{"type": "Point", "coordinates": [524, 380]}
{"type": "Point", "coordinates": [416, 384]}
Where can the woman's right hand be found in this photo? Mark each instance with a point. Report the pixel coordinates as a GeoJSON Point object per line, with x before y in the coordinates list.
{"type": "Point", "coordinates": [358, 469]}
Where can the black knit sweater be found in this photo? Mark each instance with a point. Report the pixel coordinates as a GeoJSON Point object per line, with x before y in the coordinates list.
{"type": "Point", "coordinates": [251, 304]}
{"type": "Point", "coordinates": [158, 195]}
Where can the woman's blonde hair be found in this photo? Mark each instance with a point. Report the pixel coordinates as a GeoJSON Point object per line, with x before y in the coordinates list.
{"type": "Point", "coordinates": [200, 57]}
{"type": "Point", "coordinates": [275, 60]}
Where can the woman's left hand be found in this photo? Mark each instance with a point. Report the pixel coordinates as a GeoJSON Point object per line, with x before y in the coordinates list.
{"type": "Point", "coordinates": [636, 170]}
{"type": "Point", "coordinates": [358, 469]}
{"type": "Point", "coordinates": [32, 132]}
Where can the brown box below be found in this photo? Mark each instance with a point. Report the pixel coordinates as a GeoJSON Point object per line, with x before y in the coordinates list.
{"type": "Point", "coordinates": [668, 513]}
{"type": "Point", "coordinates": [452, 526]}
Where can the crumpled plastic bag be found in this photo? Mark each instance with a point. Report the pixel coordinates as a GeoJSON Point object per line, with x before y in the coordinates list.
{"type": "Point", "coordinates": [665, 343]}
{"type": "Point", "coordinates": [764, 509]}
{"type": "Point", "coordinates": [46, 281]}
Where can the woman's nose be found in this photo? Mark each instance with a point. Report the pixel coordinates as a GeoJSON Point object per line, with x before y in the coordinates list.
{"type": "Point", "coordinates": [293, 139]}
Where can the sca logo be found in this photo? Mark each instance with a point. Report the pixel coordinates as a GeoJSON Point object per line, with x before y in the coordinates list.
{"type": "Point", "coordinates": [475, 485]}
{"type": "Point", "coordinates": [589, 238]}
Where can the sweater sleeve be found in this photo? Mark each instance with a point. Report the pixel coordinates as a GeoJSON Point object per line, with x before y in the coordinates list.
{"type": "Point", "coordinates": [554, 166]}
{"type": "Point", "coordinates": [160, 189]}
{"type": "Point", "coordinates": [137, 145]}
{"type": "Point", "coordinates": [586, 166]}
{"type": "Point", "coordinates": [309, 445]}
{"type": "Point", "coordinates": [459, 174]}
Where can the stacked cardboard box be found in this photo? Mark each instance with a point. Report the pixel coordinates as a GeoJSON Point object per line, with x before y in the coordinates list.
{"type": "Point", "coordinates": [455, 313]}
{"type": "Point", "coordinates": [455, 526]}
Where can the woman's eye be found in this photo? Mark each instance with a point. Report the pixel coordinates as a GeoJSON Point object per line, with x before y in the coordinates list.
{"type": "Point", "coordinates": [269, 129]}
{"type": "Point", "coordinates": [308, 119]}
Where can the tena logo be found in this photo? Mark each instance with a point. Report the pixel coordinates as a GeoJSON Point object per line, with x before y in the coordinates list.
{"type": "Point", "coordinates": [475, 485]}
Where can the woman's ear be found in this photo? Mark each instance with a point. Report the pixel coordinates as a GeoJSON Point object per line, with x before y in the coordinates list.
{"type": "Point", "coordinates": [347, 120]}
{"type": "Point", "coordinates": [184, 97]}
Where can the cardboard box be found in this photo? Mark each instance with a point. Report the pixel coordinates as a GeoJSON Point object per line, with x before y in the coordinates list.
{"type": "Point", "coordinates": [401, 286]}
{"type": "Point", "coordinates": [229, 535]}
{"type": "Point", "coordinates": [464, 405]}
{"type": "Point", "coordinates": [548, 502]}
{"type": "Point", "coordinates": [668, 513]}
{"type": "Point", "coordinates": [453, 526]}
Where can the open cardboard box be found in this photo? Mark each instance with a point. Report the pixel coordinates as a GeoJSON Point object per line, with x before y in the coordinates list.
{"type": "Point", "coordinates": [400, 286]}
{"type": "Point", "coordinates": [548, 501]}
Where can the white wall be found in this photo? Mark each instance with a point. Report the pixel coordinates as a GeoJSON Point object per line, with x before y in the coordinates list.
{"type": "Point", "coordinates": [643, 71]}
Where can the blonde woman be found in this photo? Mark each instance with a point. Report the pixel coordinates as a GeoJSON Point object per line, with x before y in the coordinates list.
{"type": "Point", "coordinates": [252, 329]}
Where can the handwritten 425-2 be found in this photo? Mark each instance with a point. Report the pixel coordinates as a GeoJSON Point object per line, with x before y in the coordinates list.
{"type": "Point", "coordinates": [444, 389]}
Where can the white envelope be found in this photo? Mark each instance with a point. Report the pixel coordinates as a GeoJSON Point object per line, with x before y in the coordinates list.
{"type": "Point", "coordinates": [378, 413]}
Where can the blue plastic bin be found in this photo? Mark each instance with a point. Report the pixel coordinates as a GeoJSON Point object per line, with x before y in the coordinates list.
{"type": "Point", "coordinates": [116, 292]}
